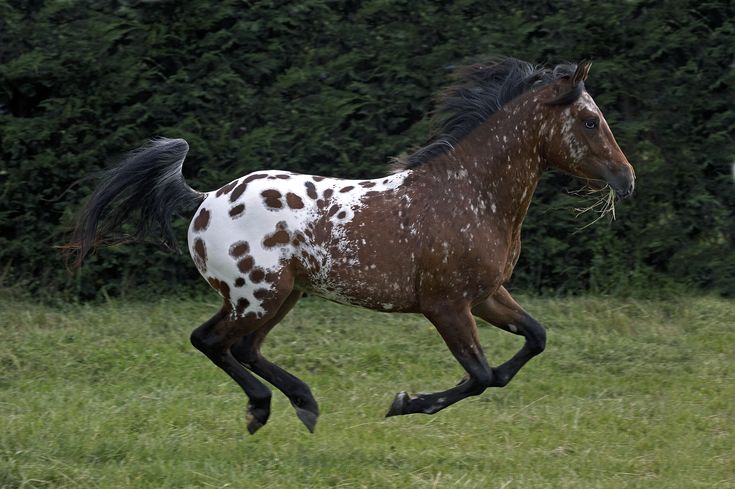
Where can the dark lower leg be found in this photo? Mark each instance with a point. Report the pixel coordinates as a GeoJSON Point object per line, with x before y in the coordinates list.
{"type": "Point", "coordinates": [211, 338]}
{"type": "Point", "coordinates": [435, 401]}
{"type": "Point", "coordinates": [247, 352]}
{"type": "Point", "coordinates": [292, 387]}
{"type": "Point", "coordinates": [457, 327]}
{"type": "Point", "coordinates": [502, 311]}
{"type": "Point", "coordinates": [505, 372]}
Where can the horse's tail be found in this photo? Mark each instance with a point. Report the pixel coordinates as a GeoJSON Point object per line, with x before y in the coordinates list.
{"type": "Point", "coordinates": [145, 189]}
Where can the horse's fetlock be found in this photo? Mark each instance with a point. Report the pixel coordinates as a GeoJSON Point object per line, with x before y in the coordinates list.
{"type": "Point", "coordinates": [264, 398]}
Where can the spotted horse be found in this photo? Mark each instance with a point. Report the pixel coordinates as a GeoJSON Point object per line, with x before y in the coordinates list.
{"type": "Point", "coordinates": [438, 236]}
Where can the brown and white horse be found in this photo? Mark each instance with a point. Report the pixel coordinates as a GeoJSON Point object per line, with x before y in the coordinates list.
{"type": "Point", "coordinates": [439, 237]}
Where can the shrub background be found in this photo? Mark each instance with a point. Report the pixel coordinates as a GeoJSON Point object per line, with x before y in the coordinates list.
{"type": "Point", "coordinates": [336, 88]}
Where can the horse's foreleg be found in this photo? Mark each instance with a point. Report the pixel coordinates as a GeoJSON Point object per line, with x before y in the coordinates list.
{"type": "Point", "coordinates": [457, 327]}
{"type": "Point", "coordinates": [247, 352]}
{"type": "Point", "coordinates": [213, 338]}
{"type": "Point", "coordinates": [503, 311]}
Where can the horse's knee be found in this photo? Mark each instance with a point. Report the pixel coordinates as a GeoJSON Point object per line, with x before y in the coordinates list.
{"type": "Point", "coordinates": [535, 336]}
{"type": "Point", "coordinates": [537, 344]}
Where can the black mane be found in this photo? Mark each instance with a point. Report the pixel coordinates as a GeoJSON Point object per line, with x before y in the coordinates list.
{"type": "Point", "coordinates": [479, 92]}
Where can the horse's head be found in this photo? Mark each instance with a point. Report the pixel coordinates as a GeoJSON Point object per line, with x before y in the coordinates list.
{"type": "Point", "coordinates": [577, 138]}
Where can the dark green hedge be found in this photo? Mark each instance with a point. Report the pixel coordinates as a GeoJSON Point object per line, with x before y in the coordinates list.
{"type": "Point", "coordinates": [337, 87]}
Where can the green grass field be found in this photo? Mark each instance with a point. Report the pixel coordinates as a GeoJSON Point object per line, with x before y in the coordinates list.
{"type": "Point", "coordinates": [628, 394]}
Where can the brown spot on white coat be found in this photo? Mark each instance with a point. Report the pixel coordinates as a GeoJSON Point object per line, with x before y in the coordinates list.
{"type": "Point", "coordinates": [294, 201]}
{"type": "Point", "coordinates": [237, 211]}
{"type": "Point", "coordinates": [272, 198]}
{"type": "Point", "coordinates": [200, 255]}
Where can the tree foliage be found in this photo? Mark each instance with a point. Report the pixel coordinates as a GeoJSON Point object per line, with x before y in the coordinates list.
{"type": "Point", "coordinates": [336, 88]}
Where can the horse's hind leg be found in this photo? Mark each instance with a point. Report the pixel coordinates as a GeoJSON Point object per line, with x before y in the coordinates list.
{"type": "Point", "coordinates": [216, 337]}
{"type": "Point", "coordinates": [247, 352]}
{"type": "Point", "coordinates": [213, 338]}
{"type": "Point", "coordinates": [457, 327]}
{"type": "Point", "coordinates": [502, 311]}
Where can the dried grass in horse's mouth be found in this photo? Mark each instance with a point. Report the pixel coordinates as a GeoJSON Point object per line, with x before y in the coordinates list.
{"type": "Point", "coordinates": [604, 205]}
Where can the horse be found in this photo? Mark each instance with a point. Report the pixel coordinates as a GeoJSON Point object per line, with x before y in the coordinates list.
{"type": "Point", "coordinates": [439, 236]}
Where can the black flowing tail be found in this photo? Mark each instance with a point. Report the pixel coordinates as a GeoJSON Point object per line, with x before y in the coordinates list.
{"type": "Point", "coordinates": [146, 189]}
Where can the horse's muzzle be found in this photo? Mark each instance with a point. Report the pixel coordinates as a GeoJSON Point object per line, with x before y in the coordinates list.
{"type": "Point", "coordinates": [622, 182]}
{"type": "Point", "coordinates": [624, 192]}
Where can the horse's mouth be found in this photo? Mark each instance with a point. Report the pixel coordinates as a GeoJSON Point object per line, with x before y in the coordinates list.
{"type": "Point", "coordinates": [622, 189]}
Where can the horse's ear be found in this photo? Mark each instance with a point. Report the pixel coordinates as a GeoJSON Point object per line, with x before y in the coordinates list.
{"type": "Point", "coordinates": [581, 73]}
{"type": "Point", "coordinates": [572, 85]}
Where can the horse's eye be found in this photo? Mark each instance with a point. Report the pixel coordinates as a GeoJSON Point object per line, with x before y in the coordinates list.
{"type": "Point", "coordinates": [590, 124]}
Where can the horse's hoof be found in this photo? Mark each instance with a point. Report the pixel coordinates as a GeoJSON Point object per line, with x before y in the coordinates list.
{"type": "Point", "coordinates": [256, 419]}
{"type": "Point", "coordinates": [399, 404]}
{"type": "Point", "coordinates": [253, 424]}
{"type": "Point", "coordinates": [308, 418]}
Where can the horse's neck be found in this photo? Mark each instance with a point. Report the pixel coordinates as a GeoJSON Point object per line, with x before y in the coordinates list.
{"type": "Point", "coordinates": [496, 167]}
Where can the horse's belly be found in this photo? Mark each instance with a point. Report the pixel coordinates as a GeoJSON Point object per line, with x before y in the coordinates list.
{"type": "Point", "coordinates": [365, 287]}
{"type": "Point", "coordinates": [370, 299]}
